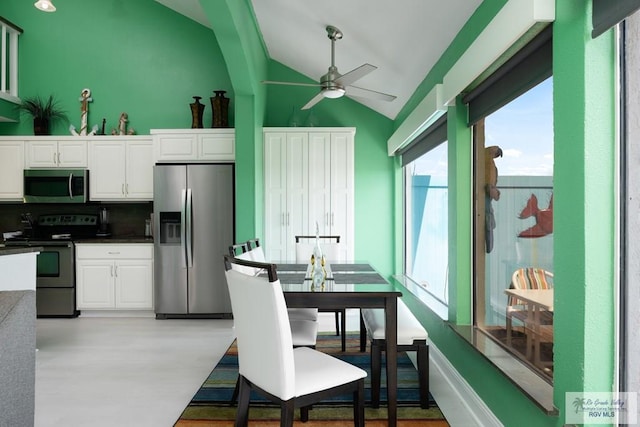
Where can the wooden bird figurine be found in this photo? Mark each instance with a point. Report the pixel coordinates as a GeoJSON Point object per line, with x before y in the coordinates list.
{"type": "Point", "coordinates": [491, 171]}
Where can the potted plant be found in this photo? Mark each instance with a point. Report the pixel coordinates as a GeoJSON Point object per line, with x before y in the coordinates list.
{"type": "Point", "coordinates": [43, 112]}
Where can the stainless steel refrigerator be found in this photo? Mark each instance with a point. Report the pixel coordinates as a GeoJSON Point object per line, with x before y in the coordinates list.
{"type": "Point", "coordinates": [194, 224]}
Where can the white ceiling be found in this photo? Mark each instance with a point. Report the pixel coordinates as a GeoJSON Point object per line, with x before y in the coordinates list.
{"type": "Point", "coordinates": [403, 38]}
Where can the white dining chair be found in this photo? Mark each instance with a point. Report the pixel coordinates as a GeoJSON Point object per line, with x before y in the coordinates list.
{"type": "Point", "coordinates": [268, 362]}
{"type": "Point", "coordinates": [295, 314]}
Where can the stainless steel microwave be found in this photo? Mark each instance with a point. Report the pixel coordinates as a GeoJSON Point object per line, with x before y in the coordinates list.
{"type": "Point", "coordinates": [56, 185]}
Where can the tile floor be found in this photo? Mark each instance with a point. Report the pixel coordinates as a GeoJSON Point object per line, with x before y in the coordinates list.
{"type": "Point", "coordinates": [142, 372]}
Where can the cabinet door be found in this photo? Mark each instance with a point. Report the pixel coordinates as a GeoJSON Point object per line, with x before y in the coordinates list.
{"type": "Point", "coordinates": [175, 147]}
{"type": "Point", "coordinates": [341, 216]}
{"type": "Point", "coordinates": [107, 176]}
{"type": "Point", "coordinates": [297, 165]}
{"type": "Point", "coordinates": [139, 173]}
{"type": "Point", "coordinates": [95, 284]}
{"type": "Point", "coordinates": [216, 147]}
{"type": "Point", "coordinates": [275, 180]}
{"type": "Point", "coordinates": [42, 154]}
{"type": "Point", "coordinates": [134, 284]}
{"type": "Point", "coordinates": [11, 170]}
{"type": "Point", "coordinates": [72, 154]}
{"type": "Point", "coordinates": [319, 183]}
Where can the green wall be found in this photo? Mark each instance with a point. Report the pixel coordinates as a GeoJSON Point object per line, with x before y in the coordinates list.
{"type": "Point", "coordinates": [136, 56]}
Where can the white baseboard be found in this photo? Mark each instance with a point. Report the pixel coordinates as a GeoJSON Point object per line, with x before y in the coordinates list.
{"type": "Point", "coordinates": [454, 391]}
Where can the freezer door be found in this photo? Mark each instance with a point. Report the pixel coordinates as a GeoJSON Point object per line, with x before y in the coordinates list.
{"type": "Point", "coordinates": [211, 231]}
{"type": "Point", "coordinates": [170, 270]}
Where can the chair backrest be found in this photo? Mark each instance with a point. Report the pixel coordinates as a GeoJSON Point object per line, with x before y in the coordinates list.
{"type": "Point", "coordinates": [257, 254]}
{"type": "Point", "coordinates": [530, 278]}
{"type": "Point", "coordinates": [330, 250]}
{"type": "Point", "coordinates": [265, 347]}
{"type": "Point", "coordinates": [238, 248]}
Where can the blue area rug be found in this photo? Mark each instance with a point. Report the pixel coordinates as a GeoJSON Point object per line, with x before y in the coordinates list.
{"type": "Point", "coordinates": [218, 387]}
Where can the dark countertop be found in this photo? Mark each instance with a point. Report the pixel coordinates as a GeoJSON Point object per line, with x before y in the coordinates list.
{"type": "Point", "coordinates": [19, 250]}
{"type": "Point", "coordinates": [116, 239]}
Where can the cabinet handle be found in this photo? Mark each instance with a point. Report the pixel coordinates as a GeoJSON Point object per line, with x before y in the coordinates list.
{"type": "Point", "coordinates": [116, 270]}
{"type": "Point", "coordinates": [59, 158]}
{"type": "Point", "coordinates": [112, 271]}
{"type": "Point", "coordinates": [113, 253]}
{"type": "Point", "coordinates": [287, 218]}
{"type": "Point", "coordinates": [123, 188]}
{"type": "Point", "coordinates": [54, 158]}
{"type": "Point", "coordinates": [127, 188]}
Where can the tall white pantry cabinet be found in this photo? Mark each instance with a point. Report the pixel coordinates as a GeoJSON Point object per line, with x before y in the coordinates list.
{"type": "Point", "coordinates": [309, 178]}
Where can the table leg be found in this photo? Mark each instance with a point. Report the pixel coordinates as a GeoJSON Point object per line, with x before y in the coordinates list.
{"type": "Point", "coordinates": [391, 335]}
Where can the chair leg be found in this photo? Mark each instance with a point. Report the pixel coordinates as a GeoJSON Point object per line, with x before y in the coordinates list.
{"type": "Point", "coordinates": [423, 374]}
{"type": "Point", "coordinates": [242, 414]}
{"type": "Point", "coordinates": [234, 396]}
{"type": "Point", "coordinates": [508, 326]}
{"type": "Point", "coordinates": [376, 356]}
{"type": "Point", "coordinates": [358, 405]}
{"type": "Point", "coordinates": [337, 316]}
{"type": "Point", "coordinates": [287, 410]}
{"type": "Point", "coordinates": [343, 315]}
{"type": "Point", "coordinates": [363, 335]}
{"type": "Point", "coordinates": [304, 413]}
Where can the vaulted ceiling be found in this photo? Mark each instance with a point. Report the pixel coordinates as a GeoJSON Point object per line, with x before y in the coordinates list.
{"type": "Point", "coordinates": [404, 38]}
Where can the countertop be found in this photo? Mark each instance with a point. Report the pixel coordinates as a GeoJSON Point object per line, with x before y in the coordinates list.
{"type": "Point", "coordinates": [116, 239]}
{"type": "Point", "coordinates": [18, 250]}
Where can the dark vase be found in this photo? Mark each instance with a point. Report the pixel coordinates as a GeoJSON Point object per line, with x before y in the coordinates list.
{"type": "Point", "coordinates": [220, 107]}
{"type": "Point", "coordinates": [196, 112]}
{"type": "Point", "coordinates": [41, 126]}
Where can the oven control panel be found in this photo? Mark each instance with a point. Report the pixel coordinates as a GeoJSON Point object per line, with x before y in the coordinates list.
{"type": "Point", "coordinates": [68, 220]}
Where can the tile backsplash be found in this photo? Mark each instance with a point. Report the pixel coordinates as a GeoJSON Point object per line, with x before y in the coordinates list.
{"type": "Point", "coordinates": [126, 219]}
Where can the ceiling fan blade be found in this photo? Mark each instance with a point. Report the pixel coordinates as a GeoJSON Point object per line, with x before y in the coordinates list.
{"type": "Point", "coordinates": [355, 74]}
{"type": "Point", "coordinates": [271, 82]}
{"type": "Point", "coordinates": [359, 92]}
{"type": "Point", "coordinates": [313, 101]}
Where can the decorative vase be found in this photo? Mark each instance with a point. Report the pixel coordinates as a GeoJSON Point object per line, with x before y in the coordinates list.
{"type": "Point", "coordinates": [294, 118]}
{"type": "Point", "coordinates": [196, 112]}
{"type": "Point", "coordinates": [41, 126]}
{"type": "Point", "coordinates": [220, 107]}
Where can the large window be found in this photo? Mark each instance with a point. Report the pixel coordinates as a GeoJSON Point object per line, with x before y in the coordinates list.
{"type": "Point", "coordinates": [426, 219]}
{"type": "Point", "coordinates": [514, 227]}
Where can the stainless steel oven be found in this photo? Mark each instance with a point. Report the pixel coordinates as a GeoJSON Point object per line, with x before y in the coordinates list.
{"type": "Point", "coordinates": [55, 277]}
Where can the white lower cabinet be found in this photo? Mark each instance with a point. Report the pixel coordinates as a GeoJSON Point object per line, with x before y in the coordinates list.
{"type": "Point", "coordinates": [114, 276]}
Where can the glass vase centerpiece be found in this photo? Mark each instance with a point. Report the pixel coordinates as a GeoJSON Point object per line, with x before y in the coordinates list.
{"type": "Point", "coordinates": [318, 271]}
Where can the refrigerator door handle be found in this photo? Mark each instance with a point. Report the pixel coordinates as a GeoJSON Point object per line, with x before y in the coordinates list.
{"type": "Point", "coordinates": [183, 220]}
{"type": "Point", "coordinates": [189, 229]}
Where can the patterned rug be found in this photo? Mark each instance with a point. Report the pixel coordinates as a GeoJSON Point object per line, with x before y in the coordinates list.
{"type": "Point", "coordinates": [210, 406]}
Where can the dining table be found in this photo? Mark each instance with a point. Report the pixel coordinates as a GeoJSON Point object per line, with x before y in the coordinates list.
{"type": "Point", "coordinates": [539, 303]}
{"type": "Point", "coordinates": [348, 285]}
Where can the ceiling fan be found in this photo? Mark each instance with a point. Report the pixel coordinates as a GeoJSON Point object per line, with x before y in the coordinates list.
{"type": "Point", "coordinates": [334, 85]}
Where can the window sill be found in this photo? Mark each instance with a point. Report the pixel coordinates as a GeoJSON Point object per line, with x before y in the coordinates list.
{"type": "Point", "coordinates": [531, 384]}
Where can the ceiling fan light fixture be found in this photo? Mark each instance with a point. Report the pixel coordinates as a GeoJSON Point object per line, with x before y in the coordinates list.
{"type": "Point", "coordinates": [45, 6]}
{"type": "Point", "coordinates": [333, 93]}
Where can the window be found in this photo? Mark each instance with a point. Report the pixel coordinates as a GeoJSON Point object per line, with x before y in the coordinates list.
{"type": "Point", "coordinates": [426, 219]}
{"type": "Point", "coordinates": [426, 216]}
{"type": "Point", "coordinates": [513, 231]}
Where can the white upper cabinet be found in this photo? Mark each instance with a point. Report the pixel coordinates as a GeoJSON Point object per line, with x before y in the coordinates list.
{"type": "Point", "coordinates": [11, 170]}
{"type": "Point", "coordinates": [121, 169]}
{"type": "Point", "coordinates": [48, 153]}
{"type": "Point", "coordinates": [194, 145]}
{"type": "Point", "coordinates": [309, 179]}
